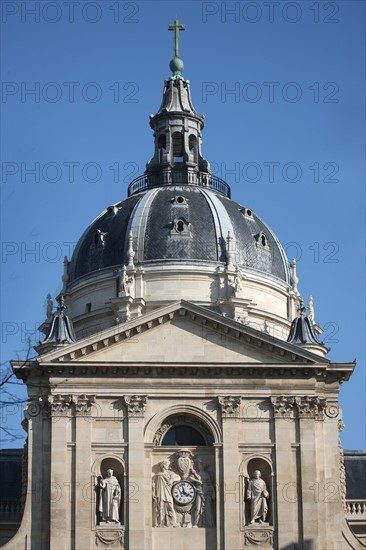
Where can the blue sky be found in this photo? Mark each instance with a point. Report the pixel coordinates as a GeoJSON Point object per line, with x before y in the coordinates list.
{"type": "Point", "coordinates": [282, 88]}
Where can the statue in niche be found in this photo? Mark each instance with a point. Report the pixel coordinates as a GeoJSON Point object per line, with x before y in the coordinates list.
{"type": "Point", "coordinates": [207, 512]}
{"type": "Point", "coordinates": [165, 515]}
{"type": "Point", "coordinates": [109, 498]}
{"type": "Point", "coordinates": [257, 493]}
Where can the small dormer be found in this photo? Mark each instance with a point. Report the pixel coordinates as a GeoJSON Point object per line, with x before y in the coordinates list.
{"type": "Point", "coordinates": [98, 239]}
{"type": "Point", "coordinates": [261, 240]}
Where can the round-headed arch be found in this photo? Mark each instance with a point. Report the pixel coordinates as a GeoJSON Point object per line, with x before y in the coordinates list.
{"type": "Point", "coordinates": [175, 415]}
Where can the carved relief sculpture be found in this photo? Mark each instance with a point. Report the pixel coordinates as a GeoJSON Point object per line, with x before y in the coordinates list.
{"type": "Point", "coordinates": [257, 494]}
{"type": "Point", "coordinates": [109, 499]}
{"type": "Point", "coordinates": [207, 518]}
{"type": "Point", "coordinates": [182, 496]}
{"type": "Point", "coordinates": [189, 494]}
{"type": "Point", "coordinates": [165, 515]}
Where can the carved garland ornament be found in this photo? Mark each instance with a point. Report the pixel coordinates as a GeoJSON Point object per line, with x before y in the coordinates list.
{"type": "Point", "coordinates": [342, 469]}
{"type": "Point", "coordinates": [111, 538]}
{"type": "Point", "coordinates": [258, 537]}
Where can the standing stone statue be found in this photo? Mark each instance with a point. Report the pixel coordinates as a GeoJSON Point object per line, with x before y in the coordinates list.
{"type": "Point", "coordinates": [257, 493]}
{"type": "Point", "coordinates": [110, 498]}
{"type": "Point", "coordinates": [237, 280]}
{"type": "Point", "coordinates": [310, 308]}
{"type": "Point", "coordinates": [165, 515]}
{"type": "Point", "coordinates": [122, 280]}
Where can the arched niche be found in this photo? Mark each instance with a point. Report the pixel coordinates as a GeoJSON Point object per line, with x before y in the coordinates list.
{"type": "Point", "coordinates": [190, 455]}
{"type": "Point", "coordinates": [99, 471]}
{"type": "Point", "coordinates": [247, 468]}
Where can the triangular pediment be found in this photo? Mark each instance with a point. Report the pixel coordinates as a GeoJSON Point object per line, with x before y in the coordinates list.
{"type": "Point", "coordinates": [182, 333]}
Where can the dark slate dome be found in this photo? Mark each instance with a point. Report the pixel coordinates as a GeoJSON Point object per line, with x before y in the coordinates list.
{"type": "Point", "coordinates": [178, 223]}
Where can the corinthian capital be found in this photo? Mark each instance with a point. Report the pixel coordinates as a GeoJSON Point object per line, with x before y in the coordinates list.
{"type": "Point", "coordinates": [83, 403]}
{"type": "Point", "coordinates": [230, 405]}
{"type": "Point", "coordinates": [283, 406]}
{"type": "Point", "coordinates": [136, 404]}
{"type": "Point", "coordinates": [60, 404]}
{"type": "Point", "coordinates": [310, 406]}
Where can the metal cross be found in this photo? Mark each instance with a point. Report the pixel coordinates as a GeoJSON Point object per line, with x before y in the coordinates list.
{"type": "Point", "coordinates": [176, 27]}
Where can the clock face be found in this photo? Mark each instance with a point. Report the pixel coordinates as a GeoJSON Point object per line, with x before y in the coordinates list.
{"type": "Point", "coordinates": [183, 492]}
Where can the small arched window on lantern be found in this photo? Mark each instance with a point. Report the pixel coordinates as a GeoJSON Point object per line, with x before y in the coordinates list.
{"type": "Point", "coordinates": [162, 147]}
{"type": "Point", "coordinates": [177, 147]}
{"type": "Point", "coordinates": [192, 142]}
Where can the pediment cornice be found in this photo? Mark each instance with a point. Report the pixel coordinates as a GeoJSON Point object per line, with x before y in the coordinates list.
{"type": "Point", "coordinates": [279, 350]}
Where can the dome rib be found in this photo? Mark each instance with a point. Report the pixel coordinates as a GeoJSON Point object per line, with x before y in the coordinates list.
{"type": "Point", "coordinates": [166, 230]}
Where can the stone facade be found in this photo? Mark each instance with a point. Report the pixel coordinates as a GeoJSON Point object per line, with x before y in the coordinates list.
{"type": "Point", "coordinates": [258, 404]}
{"type": "Point", "coordinates": [180, 415]}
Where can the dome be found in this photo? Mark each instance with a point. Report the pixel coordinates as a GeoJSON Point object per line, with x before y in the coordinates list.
{"type": "Point", "coordinates": [179, 236]}
{"type": "Point", "coordinates": [179, 223]}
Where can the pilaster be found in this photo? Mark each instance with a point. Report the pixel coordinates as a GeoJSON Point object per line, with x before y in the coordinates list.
{"type": "Point", "coordinates": [135, 520]}
{"type": "Point", "coordinates": [230, 413]}
{"type": "Point", "coordinates": [283, 412]}
{"type": "Point", "coordinates": [60, 536]}
{"type": "Point", "coordinates": [82, 409]}
{"type": "Point", "coordinates": [310, 409]}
